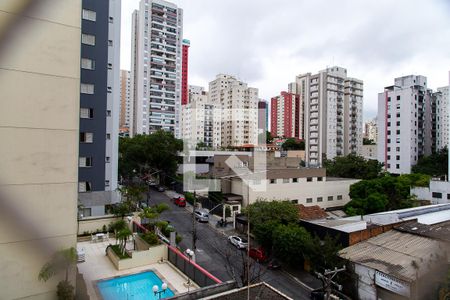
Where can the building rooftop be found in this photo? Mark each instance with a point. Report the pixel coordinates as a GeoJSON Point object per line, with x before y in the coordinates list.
{"type": "Point", "coordinates": [345, 224]}
{"type": "Point", "coordinates": [440, 231]}
{"type": "Point", "coordinates": [402, 255]}
{"type": "Point", "coordinates": [312, 212]}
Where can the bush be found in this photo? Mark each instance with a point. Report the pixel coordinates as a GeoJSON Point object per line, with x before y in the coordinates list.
{"type": "Point", "coordinates": [151, 238]}
{"type": "Point", "coordinates": [178, 238]}
{"type": "Point", "coordinates": [117, 251]}
{"type": "Point", "coordinates": [65, 290]}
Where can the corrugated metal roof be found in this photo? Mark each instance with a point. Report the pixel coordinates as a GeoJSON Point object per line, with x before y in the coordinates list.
{"type": "Point", "coordinates": [402, 255]}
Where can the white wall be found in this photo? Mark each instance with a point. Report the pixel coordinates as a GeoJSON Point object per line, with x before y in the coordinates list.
{"type": "Point", "coordinates": [366, 282]}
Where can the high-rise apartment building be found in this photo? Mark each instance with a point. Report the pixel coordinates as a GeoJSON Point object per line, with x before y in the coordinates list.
{"type": "Point", "coordinates": [125, 103]}
{"type": "Point", "coordinates": [405, 123]}
{"type": "Point", "coordinates": [156, 60]}
{"type": "Point", "coordinates": [239, 110]}
{"type": "Point", "coordinates": [286, 116]}
{"type": "Point", "coordinates": [197, 119]}
{"type": "Point", "coordinates": [184, 72]}
{"type": "Point", "coordinates": [442, 116]}
{"type": "Point", "coordinates": [332, 113]}
{"type": "Point", "coordinates": [99, 105]}
{"type": "Point", "coordinates": [39, 131]}
{"type": "Point", "coordinates": [370, 130]}
{"type": "Point", "coordinates": [263, 115]}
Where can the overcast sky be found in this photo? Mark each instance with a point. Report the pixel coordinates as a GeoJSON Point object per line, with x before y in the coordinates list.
{"type": "Point", "coordinates": [267, 43]}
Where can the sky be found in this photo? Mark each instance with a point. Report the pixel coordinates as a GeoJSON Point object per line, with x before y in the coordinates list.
{"type": "Point", "coordinates": [267, 43]}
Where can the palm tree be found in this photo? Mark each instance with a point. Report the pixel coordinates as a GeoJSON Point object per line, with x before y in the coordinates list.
{"type": "Point", "coordinates": [123, 236]}
{"type": "Point", "coordinates": [62, 260]}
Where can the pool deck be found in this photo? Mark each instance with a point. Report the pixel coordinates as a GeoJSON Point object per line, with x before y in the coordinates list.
{"type": "Point", "coordinates": [97, 266]}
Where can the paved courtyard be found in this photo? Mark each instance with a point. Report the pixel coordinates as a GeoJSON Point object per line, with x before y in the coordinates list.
{"type": "Point", "coordinates": [98, 266]}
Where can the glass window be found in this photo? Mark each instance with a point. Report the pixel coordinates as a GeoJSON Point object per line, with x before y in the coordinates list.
{"type": "Point", "coordinates": [330, 198]}
{"type": "Point", "coordinates": [285, 180]}
{"type": "Point", "coordinates": [86, 113]}
{"type": "Point", "coordinates": [86, 137]}
{"type": "Point", "coordinates": [84, 162]}
{"type": "Point", "coordinates": [308, 200]}
{"type": "Point", "coordinates": [339, 197]}
{"type": "Point", "coordinates": [88, 39]}
{"type": "Point", "coordinates": [272, 180]}
{"type": "Point", "coordinates": [87, 64]}
{"type": "Point", "coordinates": [294, 179]}
{"type": "Point", "coordinates": [86, 88]}
{"type": "Point", "coordinates": [319, 199]}
{"type": "Point", "coordinates": [319, 178]}
{"type": "Point", "coordinates": [437, 195]}
{"type": "Point", "coordinates": [309, 179]}
{"type": "Point", "coordinates": [89, 15]}
{"type": "Point", "coordinates": [294, 201]}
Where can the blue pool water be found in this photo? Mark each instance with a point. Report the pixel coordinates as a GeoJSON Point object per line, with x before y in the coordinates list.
{"type": "Point", "coordinates": [132, 287]}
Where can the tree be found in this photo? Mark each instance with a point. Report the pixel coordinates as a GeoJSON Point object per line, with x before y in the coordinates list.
{"type": "Point", "coordinates": [293, 144]}
{"type": "Point", "coordinates": [291, 243]}
{"type": "Point", "coordinates": [269, 137]}
{"type": "Point", "coordinates": [62, 260]}
{"type": "Point", "coordinates": [353, 166]}
{"type": "Point", "coordinates": [433, 165]}
{"type": "Point", "coordinates": [122, 236]}
{"type": "Point", "coordinates": [132, 194]}
{"type": "Point", "coordinates": [265, 215]}
{"type": "Point", "coordinates": [323, 253]}
{"type": "Point", "coordinates": [117, 226]}
{"type": "Point", "coordinates": [153, 212]}
{"type": "Point", "coordinates": [367, 141]}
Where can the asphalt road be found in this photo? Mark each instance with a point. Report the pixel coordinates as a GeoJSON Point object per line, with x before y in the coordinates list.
{"type": "Point", "coordinates": [217, 255]}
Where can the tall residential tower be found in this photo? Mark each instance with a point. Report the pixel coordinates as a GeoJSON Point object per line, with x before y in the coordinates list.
{"type": "Point", "coordinates": [156, 60]}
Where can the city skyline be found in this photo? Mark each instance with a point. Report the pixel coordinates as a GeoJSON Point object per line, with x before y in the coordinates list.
{"type": "Point", "coordinates": [266, 62]}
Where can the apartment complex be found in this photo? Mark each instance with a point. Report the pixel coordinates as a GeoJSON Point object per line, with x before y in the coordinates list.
{"type": "Point", "coordinates": [99, 105]}
{"type": "Point", "coordinates": [125, 103]}
{"type": "Point", "coordinates": [239, 110]}
{"type": "Point", "coordinates": [156, 66]}
{"type": "Point", "coordinates": [404, 123]}
{"type": "Point", "coordinates": [286, 111]}
{"type": "Point", "coordinates": [441, 102]}
{"type": "Point", "coordinates": [371, 130]}
{"type": "Point", "coordinates": [197, 120]}
{"type": "Point", "coordinates": [184, 72]}
{"type": "Point", "coordinates": [332, 113]}
{"type": "Point", "coordinates": [39, 121]}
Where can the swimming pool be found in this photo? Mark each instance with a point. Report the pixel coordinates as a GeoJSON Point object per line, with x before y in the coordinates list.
{"type": "Point", "coordinates": [132, 287]}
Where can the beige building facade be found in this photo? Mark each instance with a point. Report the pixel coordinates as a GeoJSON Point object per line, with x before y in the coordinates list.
{"type": "Point", "coordinates": [39, 120]}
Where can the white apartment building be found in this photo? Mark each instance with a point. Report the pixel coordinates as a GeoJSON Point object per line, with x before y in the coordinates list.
{"type": "Point", "coordinates": [125, 100]}
{"type": "Point", "coordinates": [197, 119]}
{"type": "Point", "coordinates": [370, 130]}
{"type": "Point", "coordinates": [404, 123]}
{"type": "Point", "coordinates": [441, 100]}
{"type": "Point", "coordinates": [239, 110]}
{"type": "Point", "coordinates": [157, 32]}
{"type": "Point", "coordinates": [39, 130]}
{"type": "Point", "coordinates": [332, 114]}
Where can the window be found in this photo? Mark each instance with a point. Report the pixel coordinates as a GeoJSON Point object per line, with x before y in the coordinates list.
{"type": "Point", "coordinates": [294, 179]}
{"type": "Point", "coordinates": [86, 113]}
{"type": "Point", "coordinates": [437, 195]}
{"type": "Point", "coordinates": [388, 140]}
{"type": "Point", "coordinates": [87, 64]}
{"type": "Point", "coordinates": [319, 178]}
{"type": "Point", "coordinates": [285, 180]}
{"type": "Point", "coordinates": [398, 115]}
{"type": "Point", "coordinates": [398, 140]}
{"type": "Point", "coordinates": [89, 15]}
{"type": "Point", "coordinates": [448, 196]}
{"type": "Point", "coordinates": [398, 131]}
{"type": "Point", "coordinates": [397, 166]}
{"type": "Point", "coordinates": [389, 99]}
{"type": "Point", "coordinates": [84, 162]}
{"type": "Point", "coordinates": [107, 159]}
{"type": "Point", "coordinates": [398, 157]}
{"type": "Point", "coordinates": [330, 198]}
{"type": "Point", "coordinates": [88, 39]}
{"type": "Point", "coordinates": [294, 201]}
{"type": "Point", "coordinates": [86, 88]}
{"type": "Point", "coordinates": [84, 186]}
{"type": "Point", "coordinates": [108, 136]}
{"type": "Point", "coordinates": [388, 124]}
{"type": "Point", "coordinates": [308, 179]}
{"type": "Point", "coordinates": [319, 199]}
{"type": "Point", "coordinates": [339, 197]}
{"type": "Point", "coordinates": [388, 132]}
{"type": "Point", "coordinates": [398, 97]}
{"type": "Point", "coordinates": [308, 200]}
{"type": "Point", "coordinates": [398, 123]}
{"type": "Point", "coordinates": [106, 182]}
{"type": "Point", "coordinates": [86, 137]}
{"type": "Point", "coordinates": [272, 181]}
{"type": "Point", "coordinates": [111, 20]}
{"type": "Point", "coordinates": [108, 113]}
{"type": "Point", "coordinates": [398, 149]}
{"type": "Point", "coordinates": [110, 42]}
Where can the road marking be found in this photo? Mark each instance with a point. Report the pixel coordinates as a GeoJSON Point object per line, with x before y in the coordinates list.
{"type": "Point", "coordinates": [298, 281]}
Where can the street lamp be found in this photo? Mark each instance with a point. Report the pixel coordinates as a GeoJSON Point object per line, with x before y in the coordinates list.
{"type": "Point", "coordinates": [158, 292]}
{"type": "Point", "coordinates": [190, 254]}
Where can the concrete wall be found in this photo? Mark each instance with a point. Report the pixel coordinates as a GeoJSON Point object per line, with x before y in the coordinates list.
{"type": "Point", "coordinates": [92, 224]}
{"type": "Point", "coordinates": [366, 282]}
{"type": "Point", "coordinates": [39, 118]}
{"type": "Point", "coordinates": [426, 193]}
{"type": "Point", "coordinates": [139, 258]}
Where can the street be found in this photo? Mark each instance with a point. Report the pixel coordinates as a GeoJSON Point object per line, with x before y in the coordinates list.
{"type": "Point", "coordinates": [213, 249]}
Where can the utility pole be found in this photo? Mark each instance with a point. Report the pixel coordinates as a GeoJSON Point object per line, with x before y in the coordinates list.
{"type": "Point", "coordinates": [194, 230]}
{"type": "Point", "coordinates": [327, 279]}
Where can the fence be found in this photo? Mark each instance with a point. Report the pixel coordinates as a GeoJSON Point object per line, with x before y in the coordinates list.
{"type": "Point", "coordinates": [192, 270]}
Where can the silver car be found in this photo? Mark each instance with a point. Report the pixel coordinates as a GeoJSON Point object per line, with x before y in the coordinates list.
{"type": "Point", "coordinates": [239, 242]}
{"type": "Point", "coordinates": [201, 215]}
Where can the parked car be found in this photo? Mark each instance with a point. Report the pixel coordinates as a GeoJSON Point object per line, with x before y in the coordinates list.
{"type": "Point", "coordinates": [161, 188]}
{"type": "Point", "coordinates": [201, 215]}
{"type": "Point", "coordinates": [257, 254]}
{"type": "Point", "coordinates": [239, 242]}
{"type": "Point", "coordinates": [274, 264]}
{"type": "Point", "coordinates": [179, 201]}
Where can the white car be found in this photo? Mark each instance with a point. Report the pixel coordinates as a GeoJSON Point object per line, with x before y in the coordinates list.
{"type": "Point", "coordinates": [239, 242]}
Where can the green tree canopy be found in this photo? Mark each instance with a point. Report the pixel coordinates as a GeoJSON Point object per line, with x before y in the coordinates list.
{"type": "Point", "coordinates": [293, 144]}
{"type": "Point", "coordinates": [142, 154]}
{"type": "Point", "coordinates": [291, 242]}
{"type": "Point", "coordinates": [353, 166]}
{"type": "Point", "coordinates": [384, 193]}
{"type": "Point", "coordinates": [433, 165]}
